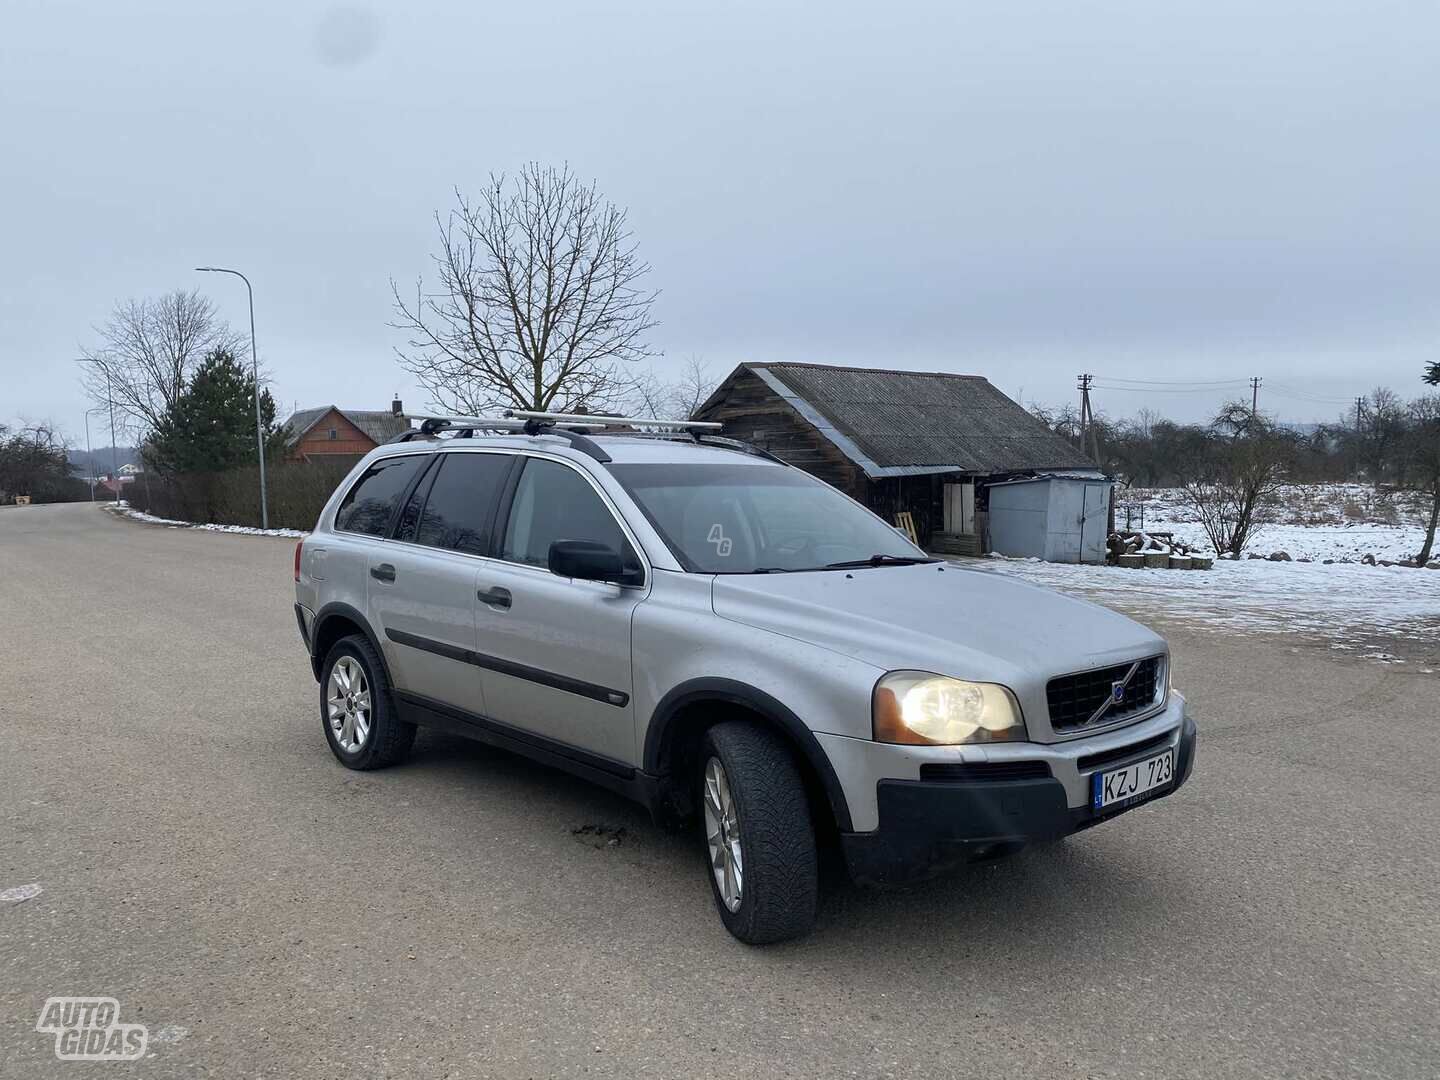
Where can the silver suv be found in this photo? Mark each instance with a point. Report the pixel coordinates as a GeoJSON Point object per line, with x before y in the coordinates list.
{"type": "Point", "coordinates": [729, 641]}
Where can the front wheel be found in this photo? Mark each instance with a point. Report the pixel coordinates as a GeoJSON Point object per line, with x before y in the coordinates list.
{"type": "Point", "coordinates": [759, 839]}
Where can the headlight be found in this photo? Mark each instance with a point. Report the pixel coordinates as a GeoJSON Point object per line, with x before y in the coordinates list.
{"type": "Point", "coordinates": [933, 710]}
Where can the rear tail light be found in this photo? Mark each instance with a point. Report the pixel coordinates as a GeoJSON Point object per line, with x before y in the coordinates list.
{"type": "Point", "coordinates": [299, 545]}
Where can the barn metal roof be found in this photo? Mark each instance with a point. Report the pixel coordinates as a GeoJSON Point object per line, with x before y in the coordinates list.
{"type": "Point", "coordinates": [903, 423]}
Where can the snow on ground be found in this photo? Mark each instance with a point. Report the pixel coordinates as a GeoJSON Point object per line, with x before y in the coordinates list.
{"type": "Point", "coordinates": [1373, 612]}
{"type": "Point", "coordinates": [1343, 522]}
{"type": "Point", "coordinates": [123, 508]}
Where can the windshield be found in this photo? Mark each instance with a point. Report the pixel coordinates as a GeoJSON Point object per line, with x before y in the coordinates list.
{"type": "Point", "coordinates": [745, 518]}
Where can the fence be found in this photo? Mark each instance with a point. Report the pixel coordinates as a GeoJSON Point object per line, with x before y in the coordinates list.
{"type": "Point", "coordinates": [297, 492]}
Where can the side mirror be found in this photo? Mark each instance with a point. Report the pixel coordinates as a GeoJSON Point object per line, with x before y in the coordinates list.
{"type": "Point", "coordinates": [589, 560]}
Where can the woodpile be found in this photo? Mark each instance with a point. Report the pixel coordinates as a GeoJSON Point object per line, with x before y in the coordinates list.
{"type": "Point", "coordinates": [1155, 551]}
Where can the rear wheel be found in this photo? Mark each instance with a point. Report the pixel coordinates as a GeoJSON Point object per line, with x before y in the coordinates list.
{"type": "Point", "coordinates": [759, 838]}
{"type": "Point", "coordinates": [361, 724]}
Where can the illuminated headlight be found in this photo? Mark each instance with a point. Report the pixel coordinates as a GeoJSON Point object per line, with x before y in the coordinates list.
{"type": "Point", "coordinates": [932, 710]}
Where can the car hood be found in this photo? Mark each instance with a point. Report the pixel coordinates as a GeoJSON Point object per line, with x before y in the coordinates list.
{"type": "Point", "coordinates": [970, 624]}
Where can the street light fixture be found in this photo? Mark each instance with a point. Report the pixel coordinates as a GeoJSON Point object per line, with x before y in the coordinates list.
{"type": "Point", "coordinates": [110, 398]}
{"type": "Point", "coordinates": [255, 372]}
{"type": "Point", "coordinates": [90, 454]}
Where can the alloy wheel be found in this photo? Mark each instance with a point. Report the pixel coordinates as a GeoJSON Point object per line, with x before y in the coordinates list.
{"type": "Point", "coordinates": [722, 834]}
{"type": "Point", "coordinates": [348, 700]}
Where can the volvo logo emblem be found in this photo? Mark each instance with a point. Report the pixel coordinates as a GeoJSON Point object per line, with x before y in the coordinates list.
{"type": "Point", "coordinates": [1116, 695]}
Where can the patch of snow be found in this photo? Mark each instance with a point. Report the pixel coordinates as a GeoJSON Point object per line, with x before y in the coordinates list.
{"type": "Point", "coordinates": [1347, 605]}
{"type": "Point", "coordinates": [123, 508]}
{"type": "Point", "coordinates": [1341, 522]}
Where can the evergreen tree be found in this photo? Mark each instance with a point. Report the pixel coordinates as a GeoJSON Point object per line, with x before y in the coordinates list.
{"type": "Point", "coordinates": [211, 425]}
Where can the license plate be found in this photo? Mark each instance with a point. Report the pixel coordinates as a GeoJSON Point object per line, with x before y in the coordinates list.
{"type": "Point", "coordinates": [1120, 785]}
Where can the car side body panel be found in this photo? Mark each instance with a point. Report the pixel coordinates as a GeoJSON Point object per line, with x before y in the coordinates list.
{"type": "Point", "coordinates": [605, 680]}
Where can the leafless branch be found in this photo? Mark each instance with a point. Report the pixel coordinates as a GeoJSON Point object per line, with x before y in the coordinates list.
{"type": "Point", "coordinates": [147, 351]}
{"type": "Point", "coordinates": [537, 303]}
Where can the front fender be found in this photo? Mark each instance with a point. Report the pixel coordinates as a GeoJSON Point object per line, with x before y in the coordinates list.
{"type": "Point", "coordinates": [682, 651]}
{"type": "Point", "coordinates": [662, 728]}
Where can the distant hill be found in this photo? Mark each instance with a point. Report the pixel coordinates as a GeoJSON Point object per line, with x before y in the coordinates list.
{"type": "Point", "coordinates": [98, 463]}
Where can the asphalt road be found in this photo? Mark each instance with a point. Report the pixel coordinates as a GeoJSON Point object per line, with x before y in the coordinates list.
{"type": "Point", "coordinates": [205, 861]}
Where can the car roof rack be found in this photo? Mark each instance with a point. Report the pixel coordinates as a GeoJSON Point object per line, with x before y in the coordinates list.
{"type": "Point", "coordinates": [465, 427]}
{"type": "Point", "coordinates": [697, 430]}
{"type": "Point", "coordinates": [653, 422]}
{"type": "Point", "coordinates": [576, 428]}
{"type": "Point", "coordinates": [719, 441]}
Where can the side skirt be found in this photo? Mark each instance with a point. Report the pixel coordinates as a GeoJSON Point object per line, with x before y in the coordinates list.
{"type": "Point", "coordinates": [605, 772]}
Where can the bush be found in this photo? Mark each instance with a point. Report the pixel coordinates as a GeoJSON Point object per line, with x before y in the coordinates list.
{"type": "Point", "coordinates": [298, 492]}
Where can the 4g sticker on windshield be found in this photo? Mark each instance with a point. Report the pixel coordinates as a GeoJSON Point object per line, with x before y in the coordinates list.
{"type": "Point", "coordinates": [720, 540]}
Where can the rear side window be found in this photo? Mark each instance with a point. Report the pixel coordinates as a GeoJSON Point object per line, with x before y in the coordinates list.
{"type": "Point", "coordinates": [369, 505]}
{"type": "Point", "coordinates": [554, 502]}
{"type": "Point", "coordinates": [461, 505]}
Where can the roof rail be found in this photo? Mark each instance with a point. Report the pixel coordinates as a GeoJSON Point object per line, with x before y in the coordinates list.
{"type": "Point", "coordinates": [464, 427]}
{"type": "Point", "coordinates": [603, 421]}
{"type": "Point", "coordinates": [743, 447]}
{"type": "Point", "coordinates": [718, 441]}
{"type": "Point", "coordinates": [576, 428]}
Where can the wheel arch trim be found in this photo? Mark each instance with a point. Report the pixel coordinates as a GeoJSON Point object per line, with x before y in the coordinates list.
{"type": "Point", "coordinates": [337, 609]}
{"type": "Point", "coordinates": [658, 736]}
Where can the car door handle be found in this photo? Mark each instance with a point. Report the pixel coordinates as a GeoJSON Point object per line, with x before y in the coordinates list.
{"type": "Point", "coordinates": [383, 572]}
{"type": "Point", "coordinates": [496, 597]}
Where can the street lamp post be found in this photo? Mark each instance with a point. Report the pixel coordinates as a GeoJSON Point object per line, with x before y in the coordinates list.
{"type": "Point", "coordinates": [255, 372]}
{"type": "Point", "coordinates": [90, 454]}
{"type": "Point", "coordinates": [110, 398]}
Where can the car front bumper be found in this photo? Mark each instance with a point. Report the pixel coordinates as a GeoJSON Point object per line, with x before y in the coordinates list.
{"type": "Point", "coordinates": [925, 826]}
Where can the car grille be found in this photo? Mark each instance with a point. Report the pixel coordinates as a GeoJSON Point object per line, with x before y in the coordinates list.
{"type": "Point", "coordinates": [956, 772]}
{"type": "Point", "coordinates": [1121, 753]}
{"type": "Point", "coordinates": [1073, 699]}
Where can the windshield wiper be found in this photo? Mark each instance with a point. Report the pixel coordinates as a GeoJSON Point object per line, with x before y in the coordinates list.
{"type": "Point", "coordinates": [880, 560]}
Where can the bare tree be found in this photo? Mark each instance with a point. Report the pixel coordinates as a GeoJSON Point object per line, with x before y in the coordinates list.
{"type": "Point", "coordinates": [1424, 453]}
{"type": "Point", "coordinates": [648, 394]}
{"type": "Point", "coordinates": [1383, 426]}
{"type": "Point", "coordinates": [1239, 469]}
{"type": "Point", "coordinates": [694, 387]}
{"type": "Point", "coordinates": [34, 461]}
{"type": "Point", "coordinates": [148, 349]}
{"type": "Point", "coordinates": [539, 301]}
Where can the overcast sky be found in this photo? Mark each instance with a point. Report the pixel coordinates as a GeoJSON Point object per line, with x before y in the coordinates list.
{"type": "Point", "coordinates": [1182, 190]}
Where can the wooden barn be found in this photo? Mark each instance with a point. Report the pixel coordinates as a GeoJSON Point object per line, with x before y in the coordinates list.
{"type": "Point", "coordinates": [924, 443]}
{"type": "Point", "coordinates": [329, 432]}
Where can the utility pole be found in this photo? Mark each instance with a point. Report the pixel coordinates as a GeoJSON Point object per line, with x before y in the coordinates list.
{"type": "Point", "coordinates": [1087, 417]}
{"type": "Point", "coordinates": [1359, 407]}
{"type": "Point", "coordinates": [1255, 396]}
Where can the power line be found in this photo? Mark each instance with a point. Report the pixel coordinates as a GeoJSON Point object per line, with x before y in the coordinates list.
{"type": "Point", "coordinates": [1169, 389]}
{"type": "Point", "coordinates": [1285, 390]}
{"type": "Point", "coordinates": [1170, 382]}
